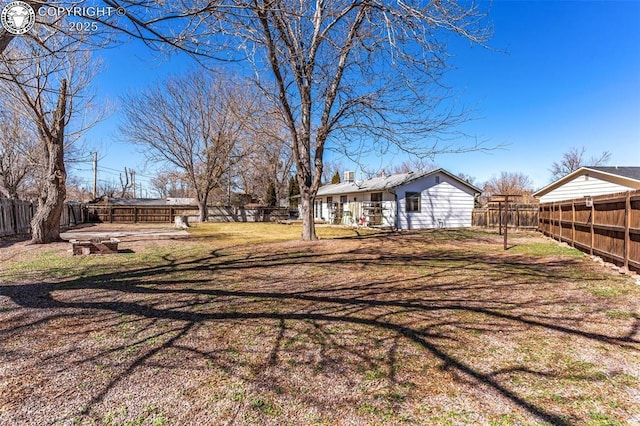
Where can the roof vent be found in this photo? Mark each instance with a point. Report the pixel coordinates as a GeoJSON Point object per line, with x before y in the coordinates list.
{"type": "Point", "coordinates": [349, 177]}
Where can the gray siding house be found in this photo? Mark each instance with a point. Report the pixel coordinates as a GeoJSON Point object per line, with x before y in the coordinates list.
{"type": "Point", "coordinates": [414, 200]}
{"type": "Point", "coordinates": [589, 182]}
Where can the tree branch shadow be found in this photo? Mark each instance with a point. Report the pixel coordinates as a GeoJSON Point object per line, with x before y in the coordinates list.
{"type": "Point", "coordinates": [192, 286]}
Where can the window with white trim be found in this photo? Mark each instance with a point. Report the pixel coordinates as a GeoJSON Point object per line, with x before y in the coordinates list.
{"type": "Point", "coordinates": [412, 200]}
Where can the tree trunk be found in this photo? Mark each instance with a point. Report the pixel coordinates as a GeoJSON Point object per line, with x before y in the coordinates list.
{"type": "Point", "coordinates": [202, 211]}
{"type": "Point", "coordinates": [308, 223]}
{"type": "Point", "coordinates": [45, 225]}
{"type": "Point", "coordinates": [5, 39]}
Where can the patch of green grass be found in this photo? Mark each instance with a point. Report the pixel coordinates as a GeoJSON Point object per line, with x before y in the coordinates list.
{"type": "Point", "coordinates": [577, 370]}
{"type": "Point", "coordinates": [604, 291]}
{"type": "Point", "coordinates": [619, 314]}
{"type": "Point", "coordinates": [453, 417]}
{"type": "Point", "coordinates": [265, 406]}
{"type": "Point", "coordinates": [600, 419]}
{"type": "Point", "coordinates": [503, 420]}
{"type": "Point", "coordinates": [384, 413]}
{"type": "Point", "coordinates": [544, 249]}
{"type": "Point", "coordinates": [374, 374]}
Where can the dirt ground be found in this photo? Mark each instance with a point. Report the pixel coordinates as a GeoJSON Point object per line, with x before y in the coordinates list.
{"type": "Point", "coordinates": [427, 328]}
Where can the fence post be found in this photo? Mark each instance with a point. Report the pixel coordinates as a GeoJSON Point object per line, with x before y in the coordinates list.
{"type": "Point", "coordinates": [593, 212]}
{"type": "Point", "coordinates": [627, 225]}
{"type": "Point", "coordinates": [552, 216]}
{"type": "Point", "coordinates": [573, 223]}
{"type": "Point", "coordinates": [540, 227]}
{"type": "Point", "coordinates": [560, 223]}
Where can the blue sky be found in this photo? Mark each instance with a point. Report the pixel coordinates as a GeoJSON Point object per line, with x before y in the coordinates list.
{"type": "Point", "coordinates": [559, 74]}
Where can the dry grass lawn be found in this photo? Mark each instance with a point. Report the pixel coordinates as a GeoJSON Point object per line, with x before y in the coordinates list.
{"type": "Point", "coordinates": [243, 324]}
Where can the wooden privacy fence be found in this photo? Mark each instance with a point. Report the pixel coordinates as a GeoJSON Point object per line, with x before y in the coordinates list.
{"type": "Point", "coordinates": [520, 216]}
{"type": "Point", "coordinates": [16, 215]}
{"type": "Point", "coordinates": [166, 214]}
{"type": "Point", "coordinates": [138, 214]}
{"type": "Point", "coordinates": [607, 226]}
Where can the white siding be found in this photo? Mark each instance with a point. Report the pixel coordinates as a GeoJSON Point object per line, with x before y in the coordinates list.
{"type": "Point", "coordinates": [580, 187]}
{"type": "Point", "coordinates": [447, 204]}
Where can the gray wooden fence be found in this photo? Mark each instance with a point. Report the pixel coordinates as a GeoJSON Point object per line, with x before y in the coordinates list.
{"type": "Point", "coordinates": [16, 215]}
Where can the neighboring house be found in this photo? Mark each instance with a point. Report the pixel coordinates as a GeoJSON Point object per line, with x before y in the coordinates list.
{"type": "Point", "coordinates": [435, 199]}
{"type": "Point", "coordinates": [589, 182]}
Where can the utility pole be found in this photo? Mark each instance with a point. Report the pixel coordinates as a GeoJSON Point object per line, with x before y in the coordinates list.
{"type": "Point", "coordinates": [133, 181]}
{"type": "Point", "coordinates": [95, 175]}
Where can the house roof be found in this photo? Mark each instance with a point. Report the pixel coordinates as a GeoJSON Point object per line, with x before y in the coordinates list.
{"type": "Point", "coordinates": [626, 176]}
{"type": "Point", "coordinates": [628, 172]}
{"type": "Point", "coordinates": [386, 183]}
{"type": "Point", "coordinates": [138, 201]}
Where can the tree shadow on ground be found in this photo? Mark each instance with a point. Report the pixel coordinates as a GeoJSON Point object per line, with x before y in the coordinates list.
{"type": "Point", "coordinates": [397, 291]}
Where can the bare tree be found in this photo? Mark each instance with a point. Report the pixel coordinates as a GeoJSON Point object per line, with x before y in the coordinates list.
{"type": "Point", "coordinates": [45, 81]}
{"type": "Point", "coordinates": [467, 178]}
{"type": "Point", "coordinates": [126, 184]}
{"type": "Point", "coordinates": [268, 159]}
{"type": "Point", "coordinates": [573, 159]}
{"type": "Point", "coordinates": [412, 165]}
{"type": "Point", "coordinates": [512, 183]}
{"type": "Point", "coordinates": [171, 184]}
{"type": "Point", "coordinates": [344, 71]}
{"type": "Point", "coordinates": [77, 190]}
{"type": "Point", "coordinates": [108, 188]}
{"type": "Point", "coordinates": [193, 122]}
{"type": "Point", "coordinates": [17, 143]}
{"type": "Point", "coordinates": [330, 168]}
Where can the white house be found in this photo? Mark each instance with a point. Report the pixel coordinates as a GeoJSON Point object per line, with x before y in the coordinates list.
{"type": "Point", "coordinates": [589, 182]}
{"type": "Point", "coordinates": [435, 199]}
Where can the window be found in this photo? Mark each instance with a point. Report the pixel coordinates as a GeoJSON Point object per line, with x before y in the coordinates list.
{"type": "Point", "coordinates": [437, 180]}
{"type": "Point", "coordinates": [413, 201]}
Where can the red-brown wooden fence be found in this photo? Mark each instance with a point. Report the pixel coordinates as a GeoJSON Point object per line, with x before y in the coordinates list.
{"type": "Point", "coordinates": [607, 226]}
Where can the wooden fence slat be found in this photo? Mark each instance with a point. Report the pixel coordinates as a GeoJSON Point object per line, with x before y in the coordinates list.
{"type": "Point", "coordinates": [627, 225]}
